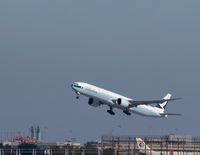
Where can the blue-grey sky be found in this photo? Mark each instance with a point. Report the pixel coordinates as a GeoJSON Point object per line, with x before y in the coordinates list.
{"type": "Point", "coordinates": [141, 49]}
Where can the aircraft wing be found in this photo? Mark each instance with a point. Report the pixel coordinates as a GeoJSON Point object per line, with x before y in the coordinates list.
{"type": "Point", "coordinates": [134, 103]}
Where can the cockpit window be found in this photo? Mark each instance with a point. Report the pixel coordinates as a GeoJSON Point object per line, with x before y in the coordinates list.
{"type": "Point", "coordinates": [76, 85]}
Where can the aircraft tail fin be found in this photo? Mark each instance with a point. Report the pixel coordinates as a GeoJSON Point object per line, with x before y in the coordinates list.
{"type": "Point", "coordinates": [141, 145]}
{"type": "Point", "coordinates": [164, 104]}
{"type": "Point", "coordinates": [145, 149]}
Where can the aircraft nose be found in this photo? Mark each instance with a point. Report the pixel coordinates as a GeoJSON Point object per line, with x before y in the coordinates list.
{"type": "Point", "coordinates": [75, 85]}
{"type": "Point", "coordinates": [72, 85]}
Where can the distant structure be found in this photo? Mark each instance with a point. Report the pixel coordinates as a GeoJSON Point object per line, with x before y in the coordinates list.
{"type": "Point", "coordinates": [36, 133]}
{"type": "Point", "coordinates": [32, 132]}
{"type": "Point", "coordinates": [153, 145]}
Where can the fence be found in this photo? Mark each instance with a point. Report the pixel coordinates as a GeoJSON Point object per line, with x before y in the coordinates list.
{"type": "Point", "coordinates": [166, 145]}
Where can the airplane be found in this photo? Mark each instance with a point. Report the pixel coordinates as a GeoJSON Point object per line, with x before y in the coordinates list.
{"type": "Point", "coordinates": [99, 96]}
{"type": "Point", "coordinates": [143, 148]}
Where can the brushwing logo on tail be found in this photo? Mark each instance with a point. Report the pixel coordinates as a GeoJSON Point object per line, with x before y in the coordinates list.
{"type": "Point", "coordinates": [141, 144]}
{"type": "Point", "coordinates": [164, 104]}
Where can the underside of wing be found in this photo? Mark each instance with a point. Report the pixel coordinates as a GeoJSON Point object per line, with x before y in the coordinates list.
{"type": "Point", "coordinates": [134, 103]}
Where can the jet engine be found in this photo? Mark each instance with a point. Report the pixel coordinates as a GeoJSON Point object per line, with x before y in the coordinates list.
{"type": "Point", "coordinates": [93, 102]}
{"type": "Point", "coordinates": [119, 101]}
{"type": "Point", "coordinates": [122, 102]}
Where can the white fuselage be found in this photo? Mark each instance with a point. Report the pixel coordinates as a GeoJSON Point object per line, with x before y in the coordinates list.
{"type": "Point", "coordinates": [106, 97]}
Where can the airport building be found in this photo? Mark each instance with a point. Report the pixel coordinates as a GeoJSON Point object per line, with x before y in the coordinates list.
{"type": "Point", "coordinates": [111, 145]}
{"type": "Point", "coordinates": [153, 145]}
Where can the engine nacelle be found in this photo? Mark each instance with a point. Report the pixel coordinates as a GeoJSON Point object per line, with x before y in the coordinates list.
{"type": "Point", "coordinates": [119, 101]}
{"type": "Point", "coordinates": [93, 102]}
{"type": "Point", "coordinates": [122, 102]}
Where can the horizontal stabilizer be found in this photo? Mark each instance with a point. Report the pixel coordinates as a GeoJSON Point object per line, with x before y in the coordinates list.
{"type": "Point", "coordinates": [168, 114]}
